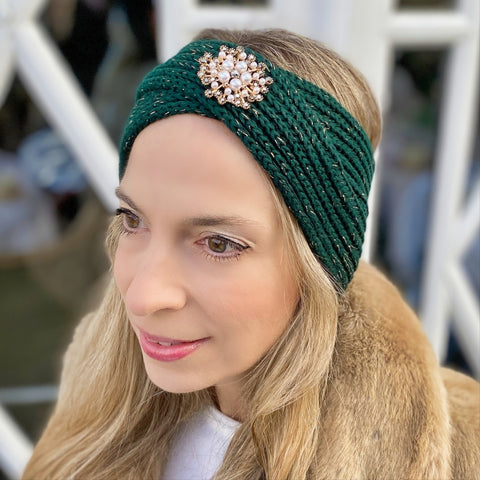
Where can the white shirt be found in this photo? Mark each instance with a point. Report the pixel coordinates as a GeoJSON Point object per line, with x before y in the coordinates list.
{"type": "Point", "coordinates": [200, 445]}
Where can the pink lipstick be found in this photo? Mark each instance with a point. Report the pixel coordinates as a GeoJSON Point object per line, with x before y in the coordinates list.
{"type": "Point", "coordinates": [167, 349]}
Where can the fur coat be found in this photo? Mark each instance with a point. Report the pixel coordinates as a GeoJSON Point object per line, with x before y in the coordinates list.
{"type": "Point", "coordinates": [391, 412]}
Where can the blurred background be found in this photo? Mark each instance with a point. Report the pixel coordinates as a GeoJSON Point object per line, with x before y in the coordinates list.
{"type": "Point", "coordinates": [68, 73]}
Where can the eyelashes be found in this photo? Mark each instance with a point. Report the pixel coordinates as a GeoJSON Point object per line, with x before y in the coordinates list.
{"type": "Point", "coordinates": [214, 246]}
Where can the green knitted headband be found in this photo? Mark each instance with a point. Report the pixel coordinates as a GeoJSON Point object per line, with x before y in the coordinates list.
{"type": "Point", "coordinates": [317, 154]}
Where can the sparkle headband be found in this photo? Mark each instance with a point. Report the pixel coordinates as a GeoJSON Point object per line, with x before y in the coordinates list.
{"type": "Point", "coordinates": [317, 155]}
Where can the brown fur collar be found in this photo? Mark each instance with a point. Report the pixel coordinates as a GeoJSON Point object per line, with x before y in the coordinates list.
{"type": "Point", "coordinates": [391, 412]}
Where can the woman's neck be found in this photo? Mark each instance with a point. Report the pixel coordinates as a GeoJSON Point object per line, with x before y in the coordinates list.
{"type": "Point", "coordinates": [230, 401]}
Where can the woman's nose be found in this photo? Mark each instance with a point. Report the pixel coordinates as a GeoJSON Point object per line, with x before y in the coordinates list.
{"type": "Point", "coordinates": [157, 284]}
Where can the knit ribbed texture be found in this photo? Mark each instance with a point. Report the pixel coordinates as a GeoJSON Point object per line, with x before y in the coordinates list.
{"type": "Point", "coordinates": [317, 154]}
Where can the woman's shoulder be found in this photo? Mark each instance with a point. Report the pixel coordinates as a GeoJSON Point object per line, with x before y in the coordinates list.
{"type": "Point", "coordinates": [387, 394]}
{"type": "Point", "coordinates": [377, 325]}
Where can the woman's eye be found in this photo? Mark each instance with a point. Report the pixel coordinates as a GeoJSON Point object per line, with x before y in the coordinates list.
{"type": "Point", "coordinates": [220, 247]}
{"type": "Point", "coordinates": [131, 222]}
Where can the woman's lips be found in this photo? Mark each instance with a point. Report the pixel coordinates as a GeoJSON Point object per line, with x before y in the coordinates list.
{"type": "Point", "coordinates": [167, 349]}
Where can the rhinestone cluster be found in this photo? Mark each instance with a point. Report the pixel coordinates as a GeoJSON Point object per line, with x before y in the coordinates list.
{"type": "Point", "coordinates": [233, 77]}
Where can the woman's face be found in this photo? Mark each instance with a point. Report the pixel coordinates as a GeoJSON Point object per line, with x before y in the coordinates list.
{"type": "Point", "coordinates": [201, 264]}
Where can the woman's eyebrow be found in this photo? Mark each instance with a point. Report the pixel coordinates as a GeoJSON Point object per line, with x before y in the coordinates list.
{"type": "Point", "coordinates": [216, 220]}
{"type": "Point", "coordinates": [125, 198]}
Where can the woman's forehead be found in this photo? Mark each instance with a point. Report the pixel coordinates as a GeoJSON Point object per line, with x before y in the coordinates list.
{"type": "Point", "coordinates": [194, 160]}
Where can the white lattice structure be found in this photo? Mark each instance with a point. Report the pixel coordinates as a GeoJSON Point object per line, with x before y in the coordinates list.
{"type": "Point", "coordinates": [364, 31]}
{"type": "Point", "coordinates": [27, 48]}
{"type": "Point", "coordinates": [447, 298]}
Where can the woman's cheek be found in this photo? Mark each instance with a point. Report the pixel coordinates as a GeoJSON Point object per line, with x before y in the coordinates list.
{"type": "Point", "coordinates": [121, 269]}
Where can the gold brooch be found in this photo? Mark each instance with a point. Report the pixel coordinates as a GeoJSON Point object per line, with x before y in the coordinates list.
{"type": "Point", "coordinates": [233, 77]}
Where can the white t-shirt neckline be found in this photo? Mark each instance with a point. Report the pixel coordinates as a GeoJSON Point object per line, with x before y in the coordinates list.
{"type": "Point", "coordinates": [200, 445]}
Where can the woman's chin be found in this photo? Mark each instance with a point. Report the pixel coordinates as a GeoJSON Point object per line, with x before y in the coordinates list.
{"type": "Point", "coordinates": [175, 385]}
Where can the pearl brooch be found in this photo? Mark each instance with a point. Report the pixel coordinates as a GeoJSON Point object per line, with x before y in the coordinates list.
{"type": "Point", "coordinates": [233, 77]}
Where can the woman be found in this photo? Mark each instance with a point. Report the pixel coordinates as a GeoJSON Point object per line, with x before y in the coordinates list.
{"type": "Point", "coordinates": [240, 338]}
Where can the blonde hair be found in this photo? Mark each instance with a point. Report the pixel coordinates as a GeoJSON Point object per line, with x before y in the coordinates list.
{"type": "Point", "coordinates": [110, 421]}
